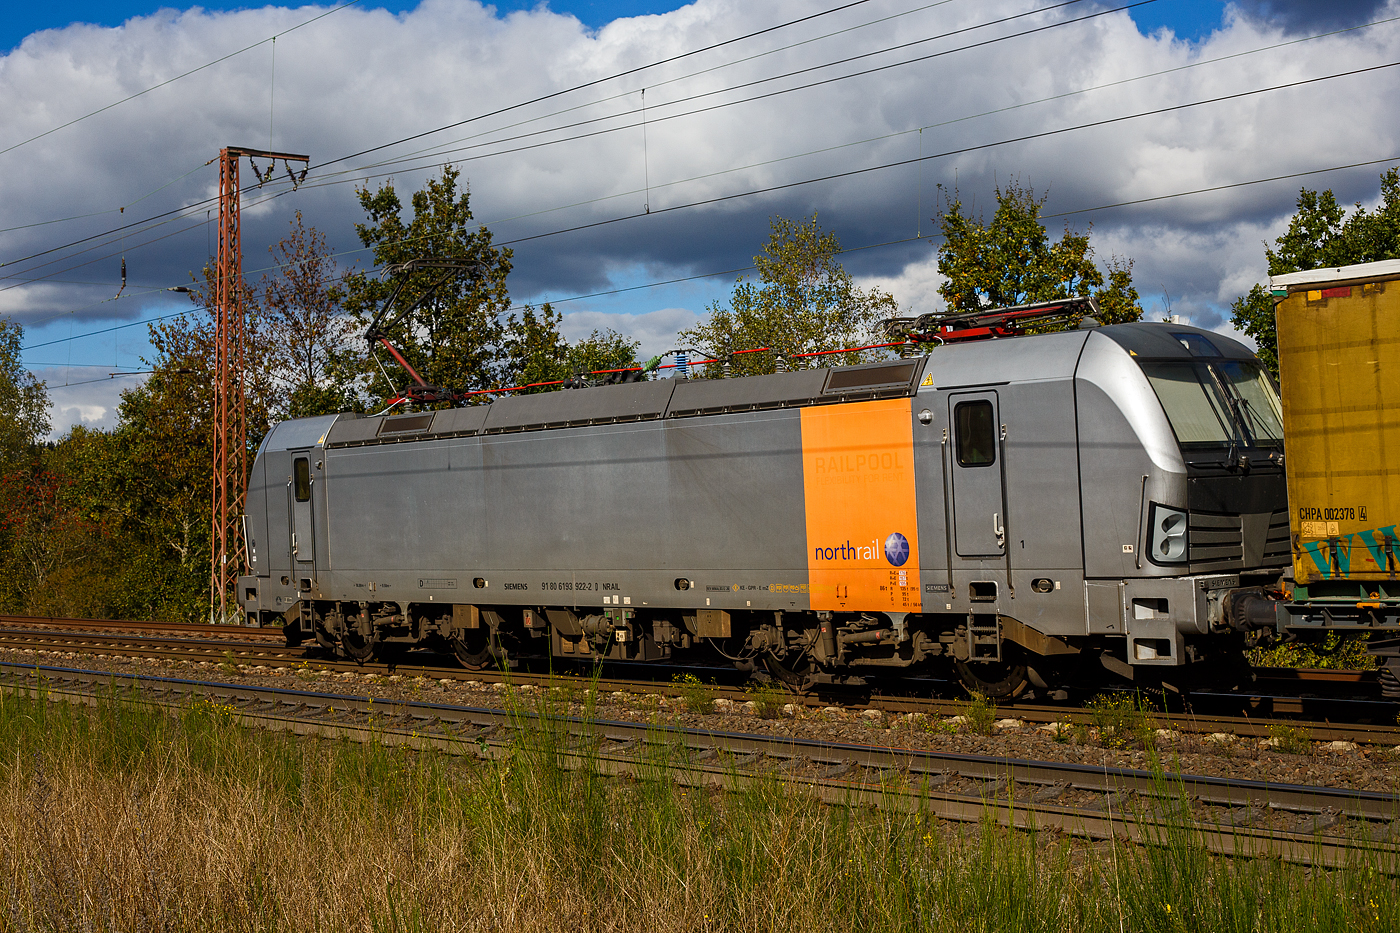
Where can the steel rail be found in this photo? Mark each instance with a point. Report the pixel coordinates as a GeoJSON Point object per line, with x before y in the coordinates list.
{"type": "Point", "coordinates": [211, 631]}
{"type": "Point", "coordinates": [215, 651]}
{"type": "Point", "coordinates": [1310, 825]}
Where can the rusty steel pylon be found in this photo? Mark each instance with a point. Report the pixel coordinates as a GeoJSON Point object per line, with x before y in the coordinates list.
{"type": "Point", "coordinates": [230, 415]}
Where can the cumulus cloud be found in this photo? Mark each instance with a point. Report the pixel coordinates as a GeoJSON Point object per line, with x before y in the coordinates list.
{"type": "Point", "coordinates": [655, 331]}
{"type": "Point", "coordinates": [581, 161]}
{"type": "Point", "coordinates": [83, 395]}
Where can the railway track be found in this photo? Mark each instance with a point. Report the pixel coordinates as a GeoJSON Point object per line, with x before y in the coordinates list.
{"type": "Point", "coordinates": [1310, 825]}
{"type": "Point", "coordinates": [246, 647]}
{"type": "Point", "coordinates": [234, 632]}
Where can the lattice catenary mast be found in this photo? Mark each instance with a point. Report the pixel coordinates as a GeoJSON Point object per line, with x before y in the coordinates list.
{"type": "Point", "coordinates": [230, 420]}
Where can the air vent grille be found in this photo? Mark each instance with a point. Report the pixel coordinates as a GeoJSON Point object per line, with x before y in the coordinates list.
{"type": "Point", "coordinates": [871, 377]}
{"type": "Point", "coordinates": [406, 424]}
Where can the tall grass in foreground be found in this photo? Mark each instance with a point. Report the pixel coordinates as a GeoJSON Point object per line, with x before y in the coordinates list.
{"type": "Point", "coordinates": [127, 818]}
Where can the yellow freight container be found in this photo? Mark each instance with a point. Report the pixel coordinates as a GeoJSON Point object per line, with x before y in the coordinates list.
{"type": "Point", "coordinates": [1339, 369]}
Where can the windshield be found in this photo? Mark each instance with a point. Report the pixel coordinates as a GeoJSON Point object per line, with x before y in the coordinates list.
{"type": "Point", "coordinates": [1197, 409]}
{"type": "Point", "coordinates": [1218, 404]}
{"type": "Point", "coordinates": [1258, 402]}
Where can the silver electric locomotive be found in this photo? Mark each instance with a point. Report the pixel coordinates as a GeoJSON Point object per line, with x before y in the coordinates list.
{"type": "Point", "coordinates": [1024, 510]}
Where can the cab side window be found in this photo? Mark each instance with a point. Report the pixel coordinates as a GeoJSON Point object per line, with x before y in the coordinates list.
{"type": "Point", "coordinates": [301, 479]}
{"type": "Point", "coordinates": [976, 433]}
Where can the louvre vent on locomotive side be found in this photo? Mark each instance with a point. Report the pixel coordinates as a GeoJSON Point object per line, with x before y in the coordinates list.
{"type": "Point", "coordinates": [1031, 513]}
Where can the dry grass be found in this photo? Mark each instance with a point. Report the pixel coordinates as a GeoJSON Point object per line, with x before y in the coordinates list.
{"type": "Point", "coordinates": [123, 818]}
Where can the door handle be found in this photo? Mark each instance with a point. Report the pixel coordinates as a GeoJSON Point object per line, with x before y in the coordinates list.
{"type": "Point", "coordinates": [294, 542]}
{"type": "Point", "coordinates": [998, 528]}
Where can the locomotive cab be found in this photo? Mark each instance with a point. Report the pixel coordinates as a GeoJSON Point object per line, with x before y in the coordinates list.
{"type": "Point", "coordinates": [1211, 510]}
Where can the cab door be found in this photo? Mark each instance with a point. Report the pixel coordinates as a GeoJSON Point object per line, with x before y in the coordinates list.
{"type": "Point", "coordinates": [979, 506]}
{"type": "Point", "coordinates": [303, 528]}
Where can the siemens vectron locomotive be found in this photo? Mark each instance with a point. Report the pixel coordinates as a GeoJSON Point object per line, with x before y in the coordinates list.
{"type": "Point", "coordinates": [1023, 510]}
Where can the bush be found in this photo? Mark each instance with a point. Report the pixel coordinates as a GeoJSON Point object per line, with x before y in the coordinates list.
{"type": "Point", "coordinates": [1291, 740]}
{"type": "Point", "coordinates": [696, 695]}
{"type": "Point", "coordinates": [768, 699]}
{"type": "Point", "coordinates": [981, 714]}
{"type": "Point", "coordinates": [1122, 719]}
{"type": "Point", "coordinates": [1334, 652]}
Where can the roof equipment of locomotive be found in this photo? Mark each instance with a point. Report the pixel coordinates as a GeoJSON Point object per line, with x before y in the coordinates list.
{"type": "Point", "coordinates": [386, 319]}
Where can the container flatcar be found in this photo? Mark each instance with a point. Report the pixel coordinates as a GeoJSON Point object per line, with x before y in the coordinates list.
{"type": "Point", "coordinates": [1339, 369]}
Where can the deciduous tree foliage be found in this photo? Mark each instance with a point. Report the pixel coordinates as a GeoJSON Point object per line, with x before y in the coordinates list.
{"type": "Point", "coordinates": [802, 302]}
{"type": "Point", "coordinates": [534, 351]}
{"type": "Point", "coordinates": [1319, 235]}
{"type": "Point", "coordinates": [24, 405]}
{"type": "Point", "coordinates": [1011, 261]}
{"type": "Point", "coordinates": [456, 339]}
{"type": "Point", "coordinates": [304, 332]}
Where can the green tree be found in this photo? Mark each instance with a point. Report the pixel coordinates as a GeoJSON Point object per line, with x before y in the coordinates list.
{"type": "Point", "coordinates": [600, 352]}
{"type": "Point", "coordinates": [305, 344]}
{"type": "Point", "coordinates": [534, 351]}
{"type": "Point", "coordinates": [24, 403]}
{"type": "Point", "coordinates": [455, 340]}
{"type": "Point", "coordinates": [1012, 261]}
{"type": "Point", "coordinates": [161, 484]}
{"type": "Point", "coordinates": [28, 492]}
{"type": "Point", "coordinates": [66, 557]}
{"type": "Point", "coordinates": [1320, 234]}
{"type": "Point", "coordinates": [47, 543]}
{"type": "Point", "coordinates": [803, 302]}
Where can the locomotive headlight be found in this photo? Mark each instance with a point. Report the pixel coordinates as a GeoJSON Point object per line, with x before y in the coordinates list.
{"type": "Point", "coordinates": [1166, 543]}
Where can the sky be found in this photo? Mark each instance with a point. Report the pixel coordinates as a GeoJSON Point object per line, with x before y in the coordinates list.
{"type": "Point", "coordinates": [1178, 131]}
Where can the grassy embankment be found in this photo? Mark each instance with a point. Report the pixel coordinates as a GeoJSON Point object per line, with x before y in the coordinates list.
{"type": "Point", "coordinates": [126, 818]}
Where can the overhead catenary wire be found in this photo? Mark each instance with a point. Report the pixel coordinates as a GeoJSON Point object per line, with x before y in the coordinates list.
{"type": "Point", "coordinates": [1067, 22]}
{"type": "Point", "coordinates": [169, 81]}
{"type": "Point", "coordinates": [598, 81]}
{"type": "Point", "coordinates": [785, 91]}
{"type": "Point", "coordinates": [957, 151]}
{"type": "Point", "coordinates": [673, 80]}
{"type": "Point", "coordinates": [1011, 107]}
{"type": "Point", "coordinates": [743, 269]}
{"type": "Point", "coordinates": [521, 104]}
{"type": "Point", "coordinates": [943, 154]}
{"type": "Point", "coordinates": [356, 172]}
{"type": "Point", "coordinates": [919, 130]}
{"type": "Point", "coordinates": [1061, 130]}
{"type": "Point", "coordinates": [806, 70]}
{"type": "Point", "coordinates": [1008, 108]}
{"type": "Point", "coordinates": [777, 93]}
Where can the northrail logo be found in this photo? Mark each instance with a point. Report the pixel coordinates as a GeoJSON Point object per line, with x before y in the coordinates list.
{"type": "Point", "coordinates": [896, 551]}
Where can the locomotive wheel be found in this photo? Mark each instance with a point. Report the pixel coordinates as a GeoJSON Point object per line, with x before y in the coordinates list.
{"type": "Point", "coordinates": [997, 680]}
{"type": "Point", "coordinates": [357, 647]}
{"type": "Point", "coordinates": [473, 650]}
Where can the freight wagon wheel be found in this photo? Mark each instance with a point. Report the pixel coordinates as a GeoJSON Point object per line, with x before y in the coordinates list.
{"type": "Point", "coordinates": [473, 650]}
{"type": "Point", "coordinates": [998, 680]}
